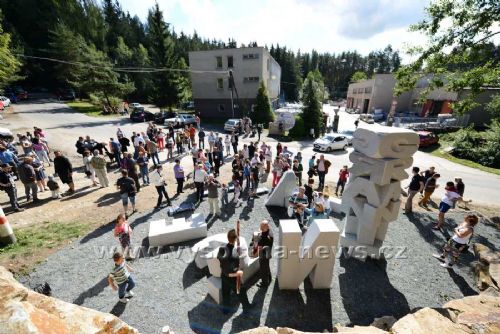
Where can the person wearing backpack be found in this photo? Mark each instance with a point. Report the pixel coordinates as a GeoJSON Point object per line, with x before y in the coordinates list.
{"type": "Point", "coordinates": [459, 242]}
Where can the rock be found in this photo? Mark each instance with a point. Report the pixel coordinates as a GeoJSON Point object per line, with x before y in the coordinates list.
{"type": "Point", "coordinates": [384, 322]}
{"type": "Point", "coordinates": [358, 330]}
{"type": "Point", "coordinates": [480, 314]}
{"type": "Point", "coordinates": [23, 311]}
{"type": "Point", "coordinates": [427, 320]}
{"type": "Point", "coordinates": [491, 291]}
{"type": "Point", "coordinates": [485, 254]}
{"type": "Point", "coordinates": [483, 278]}
{"type": "Point", "coordinates": [489, 273]}
{"type": "Point", "coordinates": [260, 330]}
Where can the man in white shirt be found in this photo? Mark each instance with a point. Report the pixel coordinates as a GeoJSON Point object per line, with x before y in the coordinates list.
{"type": "Point", "coordinates": [157, 179]}
{"type": "Point", "coordinates": [199, 176]}
{"type": "Point", "coordinates": [255, 160]}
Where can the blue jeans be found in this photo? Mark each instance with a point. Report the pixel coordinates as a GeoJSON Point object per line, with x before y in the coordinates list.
{"type": "Point", "coordinates": [126, 286]}
{"type": "Point", "coordinates": [145, 174]}
{"type": "Point", "coordinates": [125, 198]}
{"type": "Point", "coordinates": [153, 156]}
{"type": "Point", "coordinates": [117, 158]}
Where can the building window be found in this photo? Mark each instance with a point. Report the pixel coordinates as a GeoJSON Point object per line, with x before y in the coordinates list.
{"type": "Point", "coordinates": [368, 90]}
{"type": "Point", "coordinates": [229, 61]}
{"type": "Point", "coordinates": [220, 83]}
{"type": "Point", "coordinates": [221, 107]}
{"type": "Point", "coordinates": [251, 56]}
{"type": "Point", "coordinates": [250, 79]}
{"type": "Point", "coordinates": [219, 61]}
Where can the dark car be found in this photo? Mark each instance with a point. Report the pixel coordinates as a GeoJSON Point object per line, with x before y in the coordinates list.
{"type": "Point", "coordinates": [141, 115]}
{"type": "Point", "coordinates": [427, 138]}
{"type": "Point", "coordinates": [161, 116]}
{"type": "Point", "coordinates": [16, 94]}
{"type": "Point", "coordinates": [66, 95]}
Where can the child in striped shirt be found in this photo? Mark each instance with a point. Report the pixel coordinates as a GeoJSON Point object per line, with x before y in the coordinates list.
{"type": "Point", "coordinates": [120, 278]}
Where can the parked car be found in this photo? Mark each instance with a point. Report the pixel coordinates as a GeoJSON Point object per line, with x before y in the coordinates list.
{"type": "Point", "coordinates": [368, 118]}
{"type": "Point", "coordinates": [348, 134]}
{"type": "Point", "coordinates": [188, 105]}
{"type": "Point", "coordinates": [427, 138]}
{"type": "Point", "coordinates": [66, 95]}
{"type": "Point", "coordinates": [141, 115]}
{"type": "Point", "coordinates": [378, 115]}
{"type": "Point", "coordinates": [181, 120]}
{"type": "Point", "coordinates": [5, 101]}
{"type": "Point", "coordinates": [6, 134]}
{"type": "Point", "coordinates": [231, 124]}
{"type": "Point", "coordinates": [16, 93]}
{"type": "Point", "coordinates": [161, 116]}
{"type": "Point", "coordinates": [331, 142]}
{"type": "Point", "coordinates": [135, 105]}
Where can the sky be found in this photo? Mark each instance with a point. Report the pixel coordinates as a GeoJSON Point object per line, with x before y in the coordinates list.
{"type": "Point", "coordinates": [324, 25]}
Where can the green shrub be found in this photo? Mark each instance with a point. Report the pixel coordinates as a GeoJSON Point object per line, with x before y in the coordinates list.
{"type": "Point", "coordinates": [481, 147]}
{"type": "Point", "coordinates": [299, 130]}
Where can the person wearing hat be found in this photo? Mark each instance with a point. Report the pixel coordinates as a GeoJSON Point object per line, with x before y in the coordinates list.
{"type": "Point", "coordinates": [159, 183]}
{"type": "Point", "coordinates": [199, 177]}
{"type": "Point", "coordinates": [8, 185]}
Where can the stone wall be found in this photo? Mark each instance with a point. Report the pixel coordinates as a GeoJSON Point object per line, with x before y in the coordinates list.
{"type": "Point", "coordinates": [24, 311]}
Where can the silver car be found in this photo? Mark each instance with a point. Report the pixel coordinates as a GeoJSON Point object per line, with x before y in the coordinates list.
{"type": "Point", "coordinates": [231, 124]}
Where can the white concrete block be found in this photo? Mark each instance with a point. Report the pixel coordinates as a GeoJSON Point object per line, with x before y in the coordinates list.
{"type": "Point", "coordinates": [284, 189]}
{"type": "Point", "coordinates": [214, 285]}
{"type": "Point", "coordinates": [161, 233]}
{"type": "Point", "coordinates": [247, 264]}
{"type": "Point", "coordinates": [360, 251]}
{"type": "Point", "coordinates": [385, 142]}
{"type": "Point", "coordinates": [379, 171]}
{"type": "Point", "coordinates": [205, 246]}
{"type": "Point", "coordinates": [310, 255]}
{"type": "Point", "coordinates": [376, 195]}
{"type": "Point", "coordinates": [336, 205]}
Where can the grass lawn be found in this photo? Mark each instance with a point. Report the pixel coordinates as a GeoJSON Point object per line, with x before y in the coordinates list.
{"type": "Point", "coordinates": [437, 150]}
{"type": "Point", "coordinates": [36, 242]}
{"type": "Point", "coordinates": [87, 108]}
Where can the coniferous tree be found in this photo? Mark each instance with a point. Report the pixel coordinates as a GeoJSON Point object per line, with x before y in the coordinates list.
{"type": "Point", "coordinates": [161, 49]}
{"type": "Point", "coordinates": [312, 114]}
{"type": "Point", "coordinates": [10, 64]}
{"type": "Point", "coordinates": [262, 111]}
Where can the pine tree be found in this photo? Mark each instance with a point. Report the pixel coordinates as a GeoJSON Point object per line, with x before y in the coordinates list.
{"type": "Point", "coordinates": [161, 49]}
{"type": "Point", "coordinates": [262, 111]}
{"type": "Point", "coordinates": [311, 111]}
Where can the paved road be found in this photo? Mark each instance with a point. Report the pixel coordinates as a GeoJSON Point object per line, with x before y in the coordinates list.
{"type": "Point", "coordinates": [63, 127]}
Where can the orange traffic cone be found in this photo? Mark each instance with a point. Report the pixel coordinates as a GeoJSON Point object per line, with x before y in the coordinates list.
{"type": "Point", "coordinates": [7, 236]}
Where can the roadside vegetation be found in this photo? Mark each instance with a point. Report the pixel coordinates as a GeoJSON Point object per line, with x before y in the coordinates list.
{"type": "Point", "coordinates": [36, 242]}
{"type": "Point", "coordinates": [472, 148]}
{"type": "Point", "coordinates": [85, 107]}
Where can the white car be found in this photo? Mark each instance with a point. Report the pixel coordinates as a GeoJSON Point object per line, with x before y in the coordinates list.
{"type": "Point", "coordinates": [5, 100]}
{"type": "Point", "coordinates": [231, 124]}
{"type": "Point", "coordinates": [347, 134]}
{"type": "Point", "coordinates": [181, 120]}
{"type": "Point", "coordinates": [330, 143]}
{"type": "Point", "coordinates": [135, 105]}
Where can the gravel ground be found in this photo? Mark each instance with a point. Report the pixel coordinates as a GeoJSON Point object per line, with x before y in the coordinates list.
{"type": "Point", "coordinates": [172, 291]}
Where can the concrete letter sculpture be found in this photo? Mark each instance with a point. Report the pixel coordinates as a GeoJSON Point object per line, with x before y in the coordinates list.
{"type": "Point", "coordinates": [162, 234]}
{"type": "Point", "coordinates": [371, 199]}
{"type": "Point", "coordinates": [284, 189]}
{"type": "Point", "coordinates": [311, 254]}
{"type": "Point", "coordinates": [206, 255]}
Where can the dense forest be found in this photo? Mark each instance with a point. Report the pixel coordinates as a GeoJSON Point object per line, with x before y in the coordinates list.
{"type": "Point", "coordinates": [110, 53]}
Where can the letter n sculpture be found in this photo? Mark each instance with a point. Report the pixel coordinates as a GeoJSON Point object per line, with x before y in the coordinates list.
{"type": "Point", "coordinates": [371, 199]}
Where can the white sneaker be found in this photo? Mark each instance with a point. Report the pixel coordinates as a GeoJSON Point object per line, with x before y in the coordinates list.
{"type": "Point", "coordinates": [438, 256]}
{"type": "Point", "coordinates": [123, 300]}
{"type": "Point", "coordinates": [446, 265]}
{"type": "Point", "coordinates": [129, 294]}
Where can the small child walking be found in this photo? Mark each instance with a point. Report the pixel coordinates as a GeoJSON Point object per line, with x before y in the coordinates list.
{"type": "Point", "coordinates": [459, 242]}
{"type": "Point", "coordinates": [120, 278]}
{"type": "Point", "coordinates": [225, 195]}
{"type": "Point", "coordinates": [123, 232]}
{"type": "Point", "coordinates": [54, 187]}
{"type": "Point", "coordinates": [237, 192]}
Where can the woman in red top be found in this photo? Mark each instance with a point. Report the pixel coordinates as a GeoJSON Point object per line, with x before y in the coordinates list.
{"type": "Point", "coordinates": [343, 175]}
{"type": "Point", "coordinates": [123, 232]}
